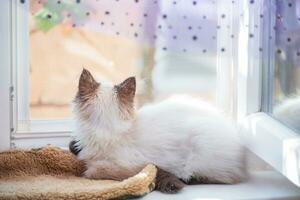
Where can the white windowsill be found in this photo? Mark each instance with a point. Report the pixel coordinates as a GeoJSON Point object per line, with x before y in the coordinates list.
{"type": "Point", "coordinates": [262, 185]}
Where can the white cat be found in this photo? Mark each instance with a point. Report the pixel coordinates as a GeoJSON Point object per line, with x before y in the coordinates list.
{"type": "Point", "coordinates": [181, 135]}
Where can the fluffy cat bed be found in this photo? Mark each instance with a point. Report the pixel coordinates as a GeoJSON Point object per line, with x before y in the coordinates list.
{"type": "Point", "coordinates": [53, 173]}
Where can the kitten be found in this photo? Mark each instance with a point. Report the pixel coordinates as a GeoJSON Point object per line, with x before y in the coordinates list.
{"type": "Point", "coordinates": [186, 138]}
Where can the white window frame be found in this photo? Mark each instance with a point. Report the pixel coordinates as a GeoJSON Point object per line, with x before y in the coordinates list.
{"type": "Point", "coordinates": [272, 141]}
{"type": "Point", "coordinates": [267, 137]}
{"type": "Point", "coordinates": [5, 79]}
{"type": "Point", "coordinates": [24, 131]}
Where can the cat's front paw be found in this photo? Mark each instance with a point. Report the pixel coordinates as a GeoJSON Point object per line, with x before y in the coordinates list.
{"type": "Point", "coordinates": [169, 185]}
{"type": "Point", "coordinates": [167, 182]}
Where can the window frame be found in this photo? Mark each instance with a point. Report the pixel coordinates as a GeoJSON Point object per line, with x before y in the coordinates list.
{"type": "Point", "coordinates": [56, 132]}
{"type": "Point", "coordinates": [267, 137]}
{"type": "Point", "coordinates": [5, 79]}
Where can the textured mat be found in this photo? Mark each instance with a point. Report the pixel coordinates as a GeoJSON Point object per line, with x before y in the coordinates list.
{"type": "Point", "coordinates": [53, 173]}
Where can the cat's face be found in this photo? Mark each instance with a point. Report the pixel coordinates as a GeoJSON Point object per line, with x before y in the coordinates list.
{"type": "Point", "coordinates": [104, 103]}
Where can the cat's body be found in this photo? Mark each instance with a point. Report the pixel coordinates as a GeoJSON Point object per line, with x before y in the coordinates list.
{"type": "Point", "coordinates": [181, 135]}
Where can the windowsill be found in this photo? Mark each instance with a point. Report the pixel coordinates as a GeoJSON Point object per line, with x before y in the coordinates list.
{"type": "Point", "coordinates": [261, 185]}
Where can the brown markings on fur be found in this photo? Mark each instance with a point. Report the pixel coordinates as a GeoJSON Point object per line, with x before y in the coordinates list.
{"type": "Point", "coordinates": [111, 172]}
{"type": "Point", "coordinates": [210, 180]}
{"type": "Point", "coordinates": [200, 180]}
{"type": "Point", "coordinates": [125, 94]}
{"type": "Point", "coordinates": [167, 182]}
{"type": "Point", "coordinates": [87, 87]}
{"type": "Point", "coordinates": [87, 90]}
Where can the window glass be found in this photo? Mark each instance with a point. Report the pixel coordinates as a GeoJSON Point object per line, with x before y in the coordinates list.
{"type": "Point", "coordinates": [286, 70]}
{"type": "Point", "coordinates": [169, 44]}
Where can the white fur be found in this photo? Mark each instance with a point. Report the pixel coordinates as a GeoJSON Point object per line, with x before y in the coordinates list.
{"type": "Point", "coordinates": [182, 135]}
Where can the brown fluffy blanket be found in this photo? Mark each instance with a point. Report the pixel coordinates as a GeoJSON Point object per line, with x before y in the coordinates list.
{"type": "Point", "coordinates": [53, 173]}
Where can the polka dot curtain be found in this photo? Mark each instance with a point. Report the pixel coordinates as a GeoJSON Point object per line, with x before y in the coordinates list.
{"type": "Point", "coordinates": [286, 29]}
{"type": "Point", "coordinates": [180, 25]}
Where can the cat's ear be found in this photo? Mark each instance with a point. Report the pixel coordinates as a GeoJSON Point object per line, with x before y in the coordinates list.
{"type": "Point", "coordinates": [87, 85]}
{"type": "Point", "coordinates": [126, 90]}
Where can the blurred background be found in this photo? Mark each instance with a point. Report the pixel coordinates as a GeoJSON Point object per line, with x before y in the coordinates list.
{"type": "Point", "coordinates": [171, 45]}
{"type": "Point", "coordinates": [285, 104]}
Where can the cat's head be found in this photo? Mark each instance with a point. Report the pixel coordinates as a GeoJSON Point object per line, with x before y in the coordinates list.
{"type": "Point", "coordinates": [104, 105]}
